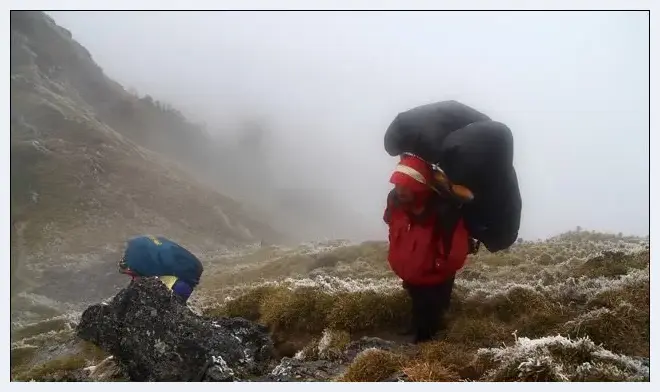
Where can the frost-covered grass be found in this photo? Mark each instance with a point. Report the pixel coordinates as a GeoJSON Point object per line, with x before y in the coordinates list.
{"type": "Point", "coordinates": [556, 358]}
{"type": "Point", "coordinates": [290, 309]}
{"type": "Point", "coordinates": [330, 346]}
{"type": "Point", "coordinates": [573, 309]}
{"type": "Point", "coordinates": [589, 288]}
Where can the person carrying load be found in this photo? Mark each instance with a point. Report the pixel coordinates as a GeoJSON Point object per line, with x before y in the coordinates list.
{"type": "Point", "coordinates": [175, 266]}
{"type": "Point", "coordinates": [454, 188]}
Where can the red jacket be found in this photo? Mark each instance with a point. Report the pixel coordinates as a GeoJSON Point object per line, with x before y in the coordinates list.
{"type": "Point", "coordinates": [416, 252]}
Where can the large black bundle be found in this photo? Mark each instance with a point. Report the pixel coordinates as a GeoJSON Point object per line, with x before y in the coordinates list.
{"type": "Point", "coordinates": [473, 151]}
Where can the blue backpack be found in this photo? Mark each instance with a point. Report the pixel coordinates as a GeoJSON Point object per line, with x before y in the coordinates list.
{"type": "Point", "coordinates": [158, 256]}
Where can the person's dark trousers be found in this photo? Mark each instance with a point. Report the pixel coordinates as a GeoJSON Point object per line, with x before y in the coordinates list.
{"type": "Point", "coordinates": [429, 305]}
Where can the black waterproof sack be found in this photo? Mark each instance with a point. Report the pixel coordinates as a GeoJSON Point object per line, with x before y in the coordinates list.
{"type": "Point", "coordinates": [474, 151]}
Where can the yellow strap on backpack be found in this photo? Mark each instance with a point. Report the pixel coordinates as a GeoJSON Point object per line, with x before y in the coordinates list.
{"type": "Point", "coordinates": [168, 280]}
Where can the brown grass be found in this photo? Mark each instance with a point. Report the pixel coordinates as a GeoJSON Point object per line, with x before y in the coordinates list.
{"type": "Point", "coordinates": [312, 310]}
{"type": "Point", "coordinates": [421, 371]}
{"type": "Point", "coordinates": [303, 309]}
{"type": "Point", "coordinates": [366, 311]}
{"type": "Point", "coordinates": [624, 330]}
{"type": "Point", "coordinates": [637, 294]}
{"type": "Point", "coordinates": [478, 331]}
{"type": "Point", "coordinates": [455, 357]}
{"type": "Point", "coordinates": [372, 365]}
{"type": "Point", "coordinates": [247, 306]}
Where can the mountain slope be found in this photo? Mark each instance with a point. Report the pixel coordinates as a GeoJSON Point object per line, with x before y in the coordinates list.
{"type": "Point", "coordinates": [81, 183]}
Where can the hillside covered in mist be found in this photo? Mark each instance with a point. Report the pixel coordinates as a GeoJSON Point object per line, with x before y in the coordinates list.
{"type": "Point", "coordinates": [93, 164]}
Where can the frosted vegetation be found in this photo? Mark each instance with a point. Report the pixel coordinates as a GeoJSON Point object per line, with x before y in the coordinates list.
{"type": "Point", "coordinates": [571, 308]}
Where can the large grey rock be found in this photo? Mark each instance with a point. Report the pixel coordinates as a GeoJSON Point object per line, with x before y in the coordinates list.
{"type": "Point", "coordinates": [154, 337]}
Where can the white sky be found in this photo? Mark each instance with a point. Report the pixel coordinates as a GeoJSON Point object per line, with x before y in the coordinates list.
{"type": "Point", "coordinates": [572, 86]}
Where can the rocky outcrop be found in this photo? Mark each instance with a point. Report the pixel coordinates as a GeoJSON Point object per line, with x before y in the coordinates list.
{"type": "Point", "coordinates": [153, 337]}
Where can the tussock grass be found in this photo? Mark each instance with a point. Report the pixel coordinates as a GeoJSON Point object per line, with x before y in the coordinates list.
{"type": "Point", "coordinates": [367, 311]}
{"type": "Point", "coordinates": [310, 309]}
{"type": "Point", "coordinates": [636, 292]}
{"type": "Point", "coordinates": [535, 290]}
{"type": "Point", "coordinates": [247, 306]}
{"type": "Point", "coordinates": [421, 371]}
{"type": "Point", "coordinates": [557, 359]}
{"type": "Point", "coordinates": [372, 365]}
{"type": "Point", "coordinates": [477, 331]}
{"type": "Point", "coordinates": [452, 356]}
{"type": "Point", "coordinates": [624, 329]}
{"type": "Point", "coordinates": [303, 309]}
